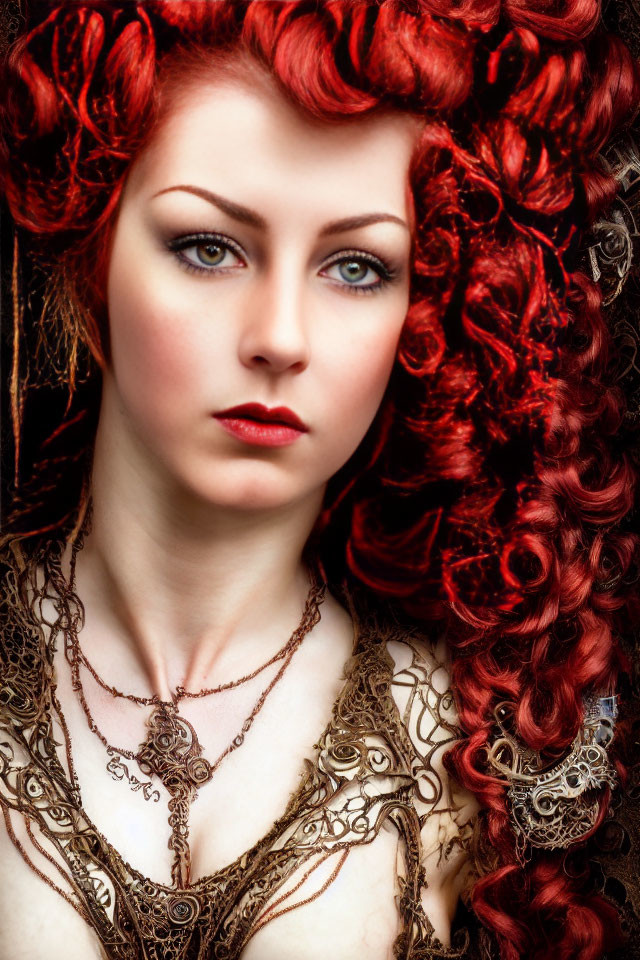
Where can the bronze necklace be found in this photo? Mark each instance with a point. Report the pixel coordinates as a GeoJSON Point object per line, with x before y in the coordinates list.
{"type": "Point", "coordinates": [171, 749]}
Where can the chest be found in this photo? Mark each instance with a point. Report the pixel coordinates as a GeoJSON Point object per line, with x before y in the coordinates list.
{"type": "Point", "coordinates": [250, 786]}
{"type": "Point", "coordinates": [337, 861]}
{"type": "Point", "coordinates": [354, 916]}
{"type": "Point", "coordinates": [347, 903]}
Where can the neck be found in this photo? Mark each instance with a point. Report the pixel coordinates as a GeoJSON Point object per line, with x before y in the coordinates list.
{"type": "Point", "coordinates": [178, 593]}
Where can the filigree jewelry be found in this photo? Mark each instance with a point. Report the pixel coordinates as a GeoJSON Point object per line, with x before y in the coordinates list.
{"type": "Point", "coordinates": [336, 806]}
{"type": "Point", "coordinates": [553, 807]}
{"type": "Point", "coordinates": [11, 17]}
{"type": "Point", "coordinates": [611, 239]}
{"type": "Point", "coordinates": [171, 750]}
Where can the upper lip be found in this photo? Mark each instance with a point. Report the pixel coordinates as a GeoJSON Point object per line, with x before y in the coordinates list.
{"type": "Point", "coordinates": [257, 411]}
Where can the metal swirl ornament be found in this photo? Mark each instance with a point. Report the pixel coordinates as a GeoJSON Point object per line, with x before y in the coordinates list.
{"type": "Point", "coordinates": [182, 909]}
{"type": "Point", "coordinates": [173, 752]}
{"type": "Point", "coordinates": [610, 242]}
{"type": "Point", "coordinates": [555, 807]}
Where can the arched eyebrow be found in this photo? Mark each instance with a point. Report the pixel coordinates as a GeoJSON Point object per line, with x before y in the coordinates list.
{"type": "Point", "coordinates": [353, 223]}
{"type": "Point", "coordinates": [253, 219]}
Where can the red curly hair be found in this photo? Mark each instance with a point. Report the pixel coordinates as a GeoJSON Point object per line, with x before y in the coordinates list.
{"type": "Point", "coordinates": [487, 493]}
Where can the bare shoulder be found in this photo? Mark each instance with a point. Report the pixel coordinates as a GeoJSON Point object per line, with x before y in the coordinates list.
{"type": "Point", "coordinates": [421, 688]}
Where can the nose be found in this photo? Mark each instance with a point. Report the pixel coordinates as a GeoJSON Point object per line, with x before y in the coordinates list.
{"type": "Point", "coordinates": [275, 333]}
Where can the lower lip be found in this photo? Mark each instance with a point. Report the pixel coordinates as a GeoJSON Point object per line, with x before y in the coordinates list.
{"type": "Point", "coordinates": [260, 434]}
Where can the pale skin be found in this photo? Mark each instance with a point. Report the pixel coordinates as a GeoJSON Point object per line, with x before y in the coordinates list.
{"type": "Point", "coordinates": [198, 537]}
{"type": "Point", "coordinates": [192, 573]}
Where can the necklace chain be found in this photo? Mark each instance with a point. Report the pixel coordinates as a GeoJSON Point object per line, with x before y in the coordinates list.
{"type": "Point", "coordinates": [75, 657]}
{"type": "Point", "coordinates": [181, 693]}
{"type": "Point", "coordinates": [172, 750]}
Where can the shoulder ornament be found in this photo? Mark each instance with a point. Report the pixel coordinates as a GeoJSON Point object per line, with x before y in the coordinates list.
{"type": "Point", "coordinates": [555, 806]}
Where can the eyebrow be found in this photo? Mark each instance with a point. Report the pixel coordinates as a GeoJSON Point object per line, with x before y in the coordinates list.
{"type": "Point", "coordinates": [253, 219]}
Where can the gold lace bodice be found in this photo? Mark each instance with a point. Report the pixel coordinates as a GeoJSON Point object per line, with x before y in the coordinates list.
{"type": "Point", "coordinates": [375, 764]}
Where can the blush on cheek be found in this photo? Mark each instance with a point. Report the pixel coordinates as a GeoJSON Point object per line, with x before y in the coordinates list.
{"type": "Point", "coordinates": [365, 386]}
{"type": "Point", "coordinates": [149, 359]}
{"type": "Point", "coordinates": [143, 339]}
{"type": "Point", "coordinates": [360, 394]}
{"type": "Point", "coordinates": [143, 354]}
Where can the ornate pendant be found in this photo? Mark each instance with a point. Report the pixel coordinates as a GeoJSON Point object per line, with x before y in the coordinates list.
{"type": "Point", "coordinates": [173, 752]}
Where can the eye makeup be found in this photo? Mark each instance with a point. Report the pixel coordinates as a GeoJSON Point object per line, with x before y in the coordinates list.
{"type": "Point", "coordinates": [214, 241]}
{"type": "Point", "coordinates": [179, 245]}
{"type": "Point", "coordinates": [386, 272]}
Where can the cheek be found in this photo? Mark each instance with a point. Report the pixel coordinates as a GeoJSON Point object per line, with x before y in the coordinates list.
{"type": "Point", "coordinates": [358, 384]}
{"type": "Point", "coordinates": [154, 355]}
{"type": "Point", "coordinates": [373, 375]}
{"type": "Point", "coordinates": [366, 366]}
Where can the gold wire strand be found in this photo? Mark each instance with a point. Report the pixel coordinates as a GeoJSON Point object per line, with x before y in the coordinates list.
{"type": "Point", "coordinates": [305, 876]}
{"type": "Point", "coordinates": [45, 853]}
{"type": "Point", "coordinates": [27, 859]}
{"type": "Point", "coordinates": [302, 903]}
{"type": "Point", "coordinates": [15, 388]}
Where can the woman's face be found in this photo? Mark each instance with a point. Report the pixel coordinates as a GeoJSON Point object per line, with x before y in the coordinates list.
{"type": "Point", "coordinates": [259, 258]}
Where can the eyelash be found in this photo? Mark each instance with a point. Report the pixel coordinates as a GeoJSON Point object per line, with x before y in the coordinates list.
{"type": "Point", "coordinates": [385, 272]}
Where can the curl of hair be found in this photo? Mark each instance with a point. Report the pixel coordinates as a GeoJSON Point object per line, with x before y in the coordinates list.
{"type": "Point", "coordinates": [487, 493]}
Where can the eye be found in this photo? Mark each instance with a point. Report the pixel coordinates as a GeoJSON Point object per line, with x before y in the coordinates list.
{"type": "Point", "coordinates": [205, 253]}
{"type": "Point", "coordinates": [358, 272]}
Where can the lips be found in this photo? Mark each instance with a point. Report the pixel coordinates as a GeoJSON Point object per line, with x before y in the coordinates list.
{"type": "Point", "coordinates": [257, 425]}
{"type": "Point", "coordinates": [275, 416]}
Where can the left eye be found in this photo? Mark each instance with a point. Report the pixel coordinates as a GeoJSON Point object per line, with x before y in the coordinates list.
{"type": "Point", "coordinates": [357, 272]}
{"type": "Point", "coordinates": [212, 253]}
{"type": "Point", "coordinates": [206, 252]}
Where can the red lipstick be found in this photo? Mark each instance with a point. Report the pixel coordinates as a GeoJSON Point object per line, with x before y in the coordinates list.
{"type": "Point", "coordinates": [262, 426]}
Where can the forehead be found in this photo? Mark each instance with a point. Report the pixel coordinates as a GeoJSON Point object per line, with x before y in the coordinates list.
{"type": "Point", "coordinates": [253, 143]}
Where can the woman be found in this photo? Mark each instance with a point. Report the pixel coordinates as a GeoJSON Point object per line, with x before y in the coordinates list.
{"type": "Point", "coordinates": [307, 272]}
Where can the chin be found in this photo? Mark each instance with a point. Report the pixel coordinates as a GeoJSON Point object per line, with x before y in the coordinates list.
{"type": "Point", "coordinates": [250, 501]}
{"type": "Point", "coordinates": [254, 495]}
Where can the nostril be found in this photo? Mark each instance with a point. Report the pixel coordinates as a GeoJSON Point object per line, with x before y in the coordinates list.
{"type": "Point", "coordinates": [278, 361]}
{"type": "Point", "coordinates": [267, 344]}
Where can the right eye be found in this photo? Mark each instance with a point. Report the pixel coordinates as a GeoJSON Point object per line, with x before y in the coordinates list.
{"type": "Point", "coordinates": [207, 253]}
